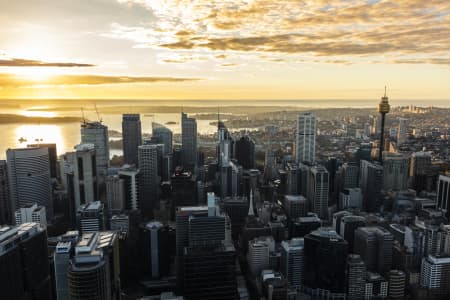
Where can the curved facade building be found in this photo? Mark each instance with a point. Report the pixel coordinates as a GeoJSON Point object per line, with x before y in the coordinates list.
{"type": "Point", "coordinates": [88, 281]}
{"type": "Point", "coordinates": [29, 177]}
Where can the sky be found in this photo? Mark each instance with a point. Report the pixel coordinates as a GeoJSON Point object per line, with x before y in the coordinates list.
{"type": "Point", "coordinates": [207, 49]}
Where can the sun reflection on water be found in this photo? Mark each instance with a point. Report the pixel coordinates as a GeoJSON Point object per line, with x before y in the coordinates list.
{"type": "Point", "coordinates": [35, 134]}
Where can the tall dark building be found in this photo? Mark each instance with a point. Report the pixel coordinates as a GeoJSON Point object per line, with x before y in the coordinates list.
{"type": "Point", "coordinates": [356, 274]}
{"type": "Point", "coordinates": [132, 137]}
{"type": "Point", "coordinates": [184, 188]}
{"type": "Point", "coordinates": [371, 182]}
{"type": "Point", "coordinates": [149, 179]}
{"type": "Point", "coordinates": [188, 141]}
{"type": "Point", "coordinates": [94, 269]}
{"type": "Point", "coordinates": [245, 152]}
{"type": "Point", "coordinates": [383, 109]}
{"type": "Point", "coordinates": [163, 135]}
{"type": "Point", "coordinates": [155, 239]}
{"type": "Point", "coordinates": [24, 264]}
{"type": "Point", "coordinates": [325, 262]}
{"type": "Point", "coordinates": [6, 212]}
{"type": "Point", "coordinates": [443, 194]}
{"type": "Point", "coordinates": [419, 171]}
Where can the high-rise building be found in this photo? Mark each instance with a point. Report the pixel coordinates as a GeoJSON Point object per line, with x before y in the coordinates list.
{"type": "Point", "coordinates": [396, 172]}
{"type": "Point", "coordinates": [348, 226]}
{"type": "Point", "coordinates": [376, 286]}
{"type": "Point", "coordinates": [304, 225]}
{"type": "Point", "coordinates": [435, 274]}
{"type": "Point", "coordinates": [318, 185]}
{"type": "Point", "coordinates": [155, 238]}
{"type": "Point", "coordinates": [356, 274]}
{"type": "Point", "coordinates": [97, 134]}
{"type": "Point", "coordinates": [295, 206]}
{"type": "Point", "coordinates": [402, 133]}
{"type": "Point", "coordinates": [443, 194]}
{"type": "Point", "coordinates": [397, 281]}
{"type": "Point", "coordinates": [24, 265]}
{"type": "Point", "coordinates": [31, 213]}
{"type": "Point", "coordinates": [163, 135]}
{"type": "Point", "coordinates": [383, 109]}
{"type": "Point", "coordinates": [305, 147]}
{"type": "Point", "coordinates": [245, 152]}
{"type": "Point", "coordinates": [91, 217]}
{"type": "Point", "coordinates": [52, 156]}
{"type": "Point", "coordinates": [82, 165]}
{"type": "Point", "coordinates": [351, 198]}
{"type": "Point", "coordinates": [29, 178]}
{"type": "Point", "coordinates": [61, 259]}
{"type": "Point", "coordinates": [325, 261]}
{"type": "Point", "coordinates": [419, 170]}
{"type": "Point", "coordinates": [258, 255]}
{"type": "Point", "coordinates": [5, 203]}
{"type": "Point", "coordinates": [148, 166]}
{"type": "Point", "coordinates": [350, 173]}
{"type": "Point", "coordinates": [371, 182]}
{"type": "Point", "coordinates": [375, 246]}
{"type": "Point", "coordinates": [292, 261]}
{"type": "Point", "coordinates": [115, 192]}
{"type": "Point", "coordinates": [94, 270]}
{"type": "Point", "coordinates": [131, 178]}
{"type": "Point", "coordinates": [188, 141]}
{"type": "Point", "coordinates": [131, 137]}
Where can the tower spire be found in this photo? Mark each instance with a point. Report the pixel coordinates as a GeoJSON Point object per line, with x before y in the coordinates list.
{"type": "Point", "coordinates": [251, 211]}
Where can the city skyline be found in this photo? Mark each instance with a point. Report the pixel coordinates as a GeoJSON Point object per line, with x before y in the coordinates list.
{"type": "Point", "coordinates": [224, 50]}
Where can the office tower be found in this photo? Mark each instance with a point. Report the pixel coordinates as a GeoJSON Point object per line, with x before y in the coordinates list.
{"type": "Point", "coordinates": [325, 260]}
{"type": "Point", "coordinates": [97, 134]}
{"type": "Point", "coordinates": [274, 285]}
{"type": "Point", "coordinates": [443, 194]}
{"type": "Point", "coordinates": [115, 192]}
{"type": "Point", "coordinates": [259, 250]}
{"type": "Point", "coordinates": [356, 274]}
{"type": "Point", "coordinates": [61, 259]}
{"type": "Point", "coordinates": [82, 165]}
{"type": "Point", "coordinates": [94, 269]}
{"type": "Point", "coordinates": [305, 147]}
{"type": "Point", "coordinates": [29, 178]}
{"type": "Point", "coordinates": [91, 217]}
{"type": "Point", "coordinates": [371, 182]}
{"type": "Point", "coordinates": [351, 198]}
{"type": "Point", "coordinates": [376, 286]}
{"type": "Point", "coordinates": [435, 275]}
{"type": "Point", "coordinates": [397, 281]}
{"type": "Point", "coordinates": [350, 174]}
{"type": "Point", "coordinates": [24, 265]}
{"type": "Point", "coordinates": [120, 223]}
{"type": "Point", "coordinates": [419, 170]}
{"type": "Point", "coordinates": [5, 203]}
{"type": "Point", "coordinates": [295, 206]}
{"type": "Point", "coordinates": [293, 179]}
{"type": "Point", "coordinates": [237, 209]}
{"type": "Point", "coordinates": [402, 133]}
{"type": "Point", "coordinates": [292, 261]}
{"type": "Point", "coordinates": [52, 156]}
{"type": "Point", "coordinates": [304, 225]}
{"type": "Point", "coordinates": [396, 172]}
{"type": "Point", "coordinates": [149, 183]}
{"type": "Point", "coordinates": [383, 109]}
{"type": "Point", "coordinates": [318, 185]}
{"type": "Point", "coordinates": [155, 238]}
{"type": "Point", "coordinates": [131, 178]}
{"type": "Point", "coordinates": [245, 152]}
{"type": "Point", "coordinates": [131, 137]}
{"type": "Point", "coordinates": [183, 214]}
{"type": "Point", "coordinates": [365, 151]}
{"type": "Point", "coordinates": [184, 188]}
{"type": "Point", "coordinates": [31, 213]}
{"type": "Point", "coordinates": [188, 141]}
{"type": "Point", "coordinates": [375, 246]}
{"type": "Point", "coordinates": [163, 135]}
{"type": "Point", "coordinates": [348, 226]}
{"type": "Point", "coordinates": [337, 217]}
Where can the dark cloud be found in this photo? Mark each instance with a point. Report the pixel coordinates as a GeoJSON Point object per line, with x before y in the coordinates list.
{"type": "Point", "coordinates": [19, 62]}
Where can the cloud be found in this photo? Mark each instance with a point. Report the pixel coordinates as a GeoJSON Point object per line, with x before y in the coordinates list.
{"type": "Point", "coordinates": [19, 62]}
{"type": "Point", "coordinates": [9, 80]}
{"type": "Point", "coordinates": [333, 28]}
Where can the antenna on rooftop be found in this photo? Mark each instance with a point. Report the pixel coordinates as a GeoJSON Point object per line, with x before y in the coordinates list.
{"type": "Point", "coordinates": [98, 114]}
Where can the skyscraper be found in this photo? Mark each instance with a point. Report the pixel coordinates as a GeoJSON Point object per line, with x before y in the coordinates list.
{"type": "Point", "coordinates": [131, 137]}
{"type": "Point", "coordinates": [163, 136]}
{"type": "Point", "coordinates": [402, 133]}
{"type": "Point", "coordinates": [383, 109]}
{"type": "Point", "coordinates": [318, 185]}
{"type": "Point", "coordinates": [156, 257]}
{"type": "Point", "coordinates": [371, 182]}
{"type": "Point", "coordinates": [419, 169]}
{"type": "Point", "coordinates": [325, 261]}
{"type": "Point", "coordinates": [31, 213]}
{"type": "Point", "coordinates": [305, 146]}
{"type": "Point", "coordinates": [259, 250]}
{"type": "Point", "coordinates": [5, 203]}
{"type": "Point", "coordinates": [188, 141]}
{"type": "Point", "coordinates": [131, 178]}
{"type": "Point", "coordinates": [52, 155]}
{"type": "Point", "coordinates": [29, 178]}
{"type": "Point", "coordinates": [245, 152]}
{"type": "Point", "coordinates": [148, 166]}
{"type": "Point", "coordinates": [24, 265]}
{"type": "Point", "coordinates": [292, 261]}
{"type": "Point", "coordinates": [443, 194]}
{"type": "Point", "coordinates": [396, 172]}
{"type": "Point", "coordinates": [97, 134]}
{"type": "Point", "coordinates": [356, 273]}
